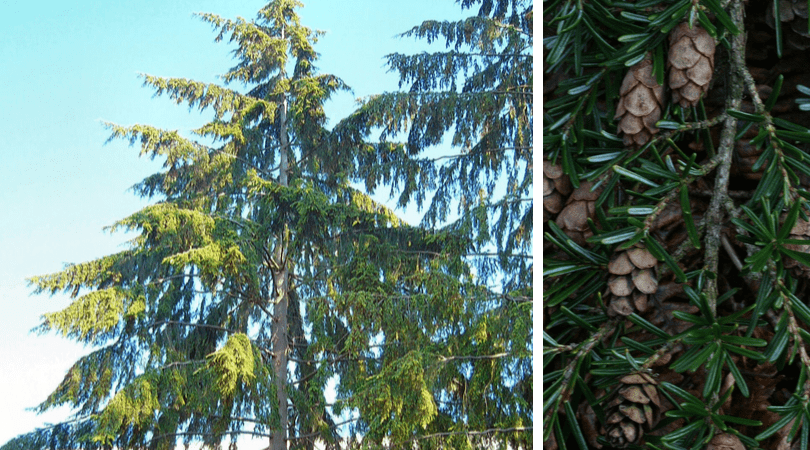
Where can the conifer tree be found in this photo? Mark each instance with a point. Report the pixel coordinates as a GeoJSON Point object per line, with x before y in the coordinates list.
{"type": "Point", "coordinates": [197, 323]}
{"type": "Point", "coordinates": [261, 273]}
{"type": "Point", "coordinates": [477, 95]}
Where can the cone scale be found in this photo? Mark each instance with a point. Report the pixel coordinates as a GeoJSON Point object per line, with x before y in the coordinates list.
{"type": "Point", "coordinates": [640, 105]}
{"type": "Point", "coordinates": [691, 64]}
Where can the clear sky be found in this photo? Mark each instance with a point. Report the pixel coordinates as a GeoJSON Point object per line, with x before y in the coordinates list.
{"type": "Point", "coordinates": [67, 66]}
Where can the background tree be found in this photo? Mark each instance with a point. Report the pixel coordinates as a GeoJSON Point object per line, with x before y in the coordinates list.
{"type": "Point", "coordinates": [675, 217]}
{"type": "Point", "coordinates": [262, 272]}
{"type": "Point", "coordinates": [476, 94]}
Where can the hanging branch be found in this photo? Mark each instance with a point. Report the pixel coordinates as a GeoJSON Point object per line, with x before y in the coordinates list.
{"type": "Point", "coordinates": [727, 139]}
{"type": "Point", "coordinates": [673, 194]}
{"type": "Point", "coordinates": [607, 329]}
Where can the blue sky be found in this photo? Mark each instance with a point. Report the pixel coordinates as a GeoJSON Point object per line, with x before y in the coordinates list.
{"type": "Point", "coordinates": [68, 66]}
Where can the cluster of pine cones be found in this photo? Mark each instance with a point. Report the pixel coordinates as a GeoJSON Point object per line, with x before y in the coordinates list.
{"type": "Point", "coordinates": [633, 406]}
{"type": "Point", "coordinates": [691, 65]}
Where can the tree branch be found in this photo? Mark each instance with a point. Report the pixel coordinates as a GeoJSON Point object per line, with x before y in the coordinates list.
{"type": "Point", "coordinates": [489, 150]}
{"type": "Point", "coordinates": [495, 356]}
{"type": "Point", "coordinates": [467, 433]}
{"type": "Point", "coordinates": [201, 434]}
{"type": "Point", "coordinates": [189, 324]}
{"type": "Point", "coordinates": [604, 331]}
{"type": "Point", "coordinates": [715, 214]}
{"type": "Point", "coordinates": [318, 433]}
{"type": "Point", "coordinates": [182, 363]}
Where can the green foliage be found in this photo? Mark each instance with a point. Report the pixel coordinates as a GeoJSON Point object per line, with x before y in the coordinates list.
{"type": "Point", "coordinates": [478, 92]}
{"type": "Point", "coordinates": [261, 272]}
{"type": "Point", "coordinates": [135, 405]}
{"type": "Point", "coordinates": [389, 413]}
{"type": "Point", "coordinates": [232, 363]}
{"type": "Point", "coordinates": [92, 274]}
{"type": "Point", "coordinates": [91, 316]}
{"type": "Point", "coordinates": [713, 340]}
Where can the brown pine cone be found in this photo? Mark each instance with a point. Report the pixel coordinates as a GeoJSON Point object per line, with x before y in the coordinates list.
{"type": "Point", "coordinates": [640, 104]}
{"type": "Point", "coordinates": [744, 158]}
{"type": "Point", "coordinates": [725, 441]}
{"type": "Point", "coordinates": [746, 155]}
{"type": "Point", "coordinates": [581, 206]}
{"type": "Point", "coordinates": [633, 409]}
{"type": "Point", "coordinates": [800, 231]}
{"type": "Point", "coordinates": [556, 188]}
{"type": "Point", "coordinates": [632, 278]}
{"type": "Point", "coordinates": [691, 63]}
{"type": "Point", "coordinates": [794, 13]}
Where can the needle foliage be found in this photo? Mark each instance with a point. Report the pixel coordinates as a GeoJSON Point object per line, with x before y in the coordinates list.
{"type": "Point", "coordinates": [713, 335]}
{"type": "Point", "coordinates": [264, 270]}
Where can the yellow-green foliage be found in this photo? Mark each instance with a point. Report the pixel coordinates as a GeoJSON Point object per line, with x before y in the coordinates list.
{"type": "Point", "coordinates": [90, 315]}
{"type": "Point", "coordinates": [233, 363]}
{"type": "Point", "coordinates": [398, 399]}
{"type": "Point", "coordinates": [213, 260]}
{"type": "Point", "coordinates": [223, 130]}
{"type": "Point", "coordinates": [88, 383]}
{"type": "Point", "coordinates": [134, 405]}
{"type": "Point", "coordinates": [386, 216]}
{"type": "Point", "coordinates": [204, 95]}
{"type": "Point", "coordinates": [157, 142]}
{"type": "Point", "coordinates": [204, 169]}
{"type": "Point", "coordinates": [87, 274]}
{"type": "Point", "coordinates": [263, 48]}
{"type": "Point", "coordinates": [189, 237]}
{"type": "Point", "coordinates": [170, 226]}
{"type": "Point", "coordinates": [137, 307]}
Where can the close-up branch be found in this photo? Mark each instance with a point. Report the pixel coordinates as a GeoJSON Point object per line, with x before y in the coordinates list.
{"type": "Point", "coordinates": [675, 196]}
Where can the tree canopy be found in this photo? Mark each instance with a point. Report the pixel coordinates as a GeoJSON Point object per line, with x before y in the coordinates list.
{"type": "Point", "coordinates": [265, 269]}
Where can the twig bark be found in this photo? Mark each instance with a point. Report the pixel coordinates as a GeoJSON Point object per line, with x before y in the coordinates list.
{"type": "Point", "coordinates": [731, 253]}
{"type": "Point", "coordinates": [715, 213]}
{"type": "Point", "coordinates": [607, 329]}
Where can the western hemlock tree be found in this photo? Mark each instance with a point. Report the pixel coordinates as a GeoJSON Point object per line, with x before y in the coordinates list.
{"type": "Point", "coordinates": [197, 322]}
{"type": "Point", "coordinates": [476, 93]}
{"type": "Point", "coordinates": [261, 273]}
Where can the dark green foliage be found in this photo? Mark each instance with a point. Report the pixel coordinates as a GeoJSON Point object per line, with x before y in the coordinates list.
{"type": "Point", "coordinates": [730, 240]}
{"type": "Point", "coordinates": [261, 273]}
{"type": "Point", "coordinates": [478, 92]}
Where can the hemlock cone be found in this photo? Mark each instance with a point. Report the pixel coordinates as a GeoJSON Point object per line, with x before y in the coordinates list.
{"type": "Point", "coordinates": [691, 63]}
{"type": "Point", "coordinates": [725, 441]}
{"type": "Point", "coordinates": [580, 207]}
{"type": "Point", "coordinates": [633, 409]}
{"type": "Point", "coordinates": [556, 188]}
{"type": "Point", "coordinates": [793, 13]}
{"type": "Point", "coordinates": [632, 279]}
{"type": "Point", "coordinates": [640, 104]}
{"type": "Point", "coordinates": [800, 231]}
{"type": "Point", "coordinates": [262, 272]}
{"type": "Point", "coordinates": [746, 156]}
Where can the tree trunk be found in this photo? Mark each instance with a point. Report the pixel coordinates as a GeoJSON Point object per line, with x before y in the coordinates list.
{"type": "Point", "coordinates": [280, 344]}
{"type": "Point", "coordinates": [279, 348]}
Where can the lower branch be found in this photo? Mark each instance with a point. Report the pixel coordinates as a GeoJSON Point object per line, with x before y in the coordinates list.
{"type": "Point", "coordinates": [467, 433]}
{"type": "Point", "coordinates": [585, 348]}
{"type": "Point", "coordinates": [715, 213]}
